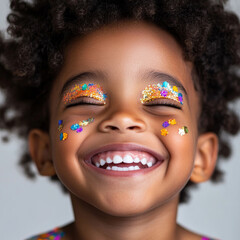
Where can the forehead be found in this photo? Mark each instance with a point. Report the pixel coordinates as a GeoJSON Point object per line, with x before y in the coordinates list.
{"type": "Point", "coordinates": [134, 47]}
{"type": "Point", "coordinates": [127, 42]}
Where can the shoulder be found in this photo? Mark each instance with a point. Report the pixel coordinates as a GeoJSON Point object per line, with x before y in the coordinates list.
{"type": "Point", "coordinates": [55, 234]}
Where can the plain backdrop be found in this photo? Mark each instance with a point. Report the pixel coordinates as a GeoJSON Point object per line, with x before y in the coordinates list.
{"type": "Point", "coordinates": [29, 207]}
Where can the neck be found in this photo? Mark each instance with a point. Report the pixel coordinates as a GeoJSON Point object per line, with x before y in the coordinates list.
{"type": "Point", "coordinates": [91, 223]}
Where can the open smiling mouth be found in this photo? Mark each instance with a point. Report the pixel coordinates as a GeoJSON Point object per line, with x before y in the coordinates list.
{"type": "Point", "coordinates": [124, 158]}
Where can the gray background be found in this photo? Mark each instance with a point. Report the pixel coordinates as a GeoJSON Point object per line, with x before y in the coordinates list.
{"type": "Point", "coordinates": [29, 207]}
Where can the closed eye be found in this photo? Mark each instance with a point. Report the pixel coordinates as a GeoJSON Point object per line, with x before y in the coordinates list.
{"type": "Point", "coordinates": [84, 101]}
{"type": "Point", "coordinates": [163, 103]}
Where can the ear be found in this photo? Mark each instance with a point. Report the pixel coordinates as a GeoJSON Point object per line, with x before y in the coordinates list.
{"type": "Point", "coordinates": [206, 157]}
{"type": "Point", "coordinates": [39, 147]}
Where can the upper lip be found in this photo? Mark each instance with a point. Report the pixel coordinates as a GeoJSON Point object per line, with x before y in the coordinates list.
{"type": "Point", "coordinates": [123, 147]}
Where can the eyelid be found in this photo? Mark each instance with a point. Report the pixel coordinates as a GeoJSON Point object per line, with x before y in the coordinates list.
{"type": "Point", "coordinates": [84, 90]}
{"type": "Point", "coordinates": [163, 91]}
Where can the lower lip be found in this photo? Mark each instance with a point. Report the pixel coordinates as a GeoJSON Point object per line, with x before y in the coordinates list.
{"type": "Point", "coordinates": [123, 173]}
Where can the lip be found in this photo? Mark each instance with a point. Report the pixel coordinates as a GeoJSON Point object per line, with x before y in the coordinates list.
{"type": "Point", "coordinates": [123, 147]}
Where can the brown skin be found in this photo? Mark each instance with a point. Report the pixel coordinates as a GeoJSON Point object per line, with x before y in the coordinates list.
{"type": "Point", "coordinates": [133, 208]}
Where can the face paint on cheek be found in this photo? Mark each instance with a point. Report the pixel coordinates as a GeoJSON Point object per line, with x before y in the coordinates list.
{"type": "Point", "coordinates": [183, 130]}
{"type": "Point", "coordinates": [156, 91]}
{"type": "Point", "coordinates": [172, 121]}
{"type": "Point", "coordinates": [78, 127]}
{"type": "Point", "coordinates": [165, 124]}
{"type": "Point", "coordinates": [164, 131]}
{"type": "Point", "coordinates": [85, 90]}
{"type": "Point", "coordinates": [60, 125]}
{"type": "Point", "coordinates": [63, 135]}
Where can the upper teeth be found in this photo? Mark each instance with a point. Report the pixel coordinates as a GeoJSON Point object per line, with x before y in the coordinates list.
{"type": "Point", "coordinates": [117, 159]}
{"type": "Point", "coordinates": [126, 159]}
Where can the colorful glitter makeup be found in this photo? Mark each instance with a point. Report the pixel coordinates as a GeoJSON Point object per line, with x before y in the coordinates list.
{"type": "Point", "coordinates": [60, 125]}
{"type": "Point", "coordinates": [85, 90]}
{"type": "Point", "coordinates": [78, 127]}
{"type": "Point", "coordinates": [63, 136]}
{"type": "Point", "coordinates": [75, 126]}
{"type": "Point", "coordinates": [183, 130]}
{"type": "Point", "coordinates": [164, 132]}
{"type": "Point", "coordinates": [165, 124]}
{"type": "Point", "coordinates": [79, 130]}
{"type": "Point", "coordinates": [86, 122]}
{"type": "Point", "coordinates": [172, 121]}
{"type": "Point", "coordinates": [156, 91]}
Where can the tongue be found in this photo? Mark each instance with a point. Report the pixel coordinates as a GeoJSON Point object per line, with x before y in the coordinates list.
{"type": "Point", "coordinates": [124, 165]}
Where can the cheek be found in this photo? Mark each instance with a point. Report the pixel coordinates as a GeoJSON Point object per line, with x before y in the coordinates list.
{"type": "Point", "coordinates": [65, 150]}
{"type": "Point", "coordinates": [179, 141]}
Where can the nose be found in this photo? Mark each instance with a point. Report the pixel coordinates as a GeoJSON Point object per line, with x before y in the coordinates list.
{"type": "Point", "coordinates": [122, 123]}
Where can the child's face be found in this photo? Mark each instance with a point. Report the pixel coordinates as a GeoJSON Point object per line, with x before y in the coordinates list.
{"type": "Point", "coordinates": [121, 60]}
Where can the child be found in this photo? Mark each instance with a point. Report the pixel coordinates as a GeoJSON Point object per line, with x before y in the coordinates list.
{"type": "Point", "coordinates": [124, 102]}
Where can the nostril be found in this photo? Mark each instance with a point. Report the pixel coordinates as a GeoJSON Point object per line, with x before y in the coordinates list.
{"type": "Point", "coordinates": [113, 128]}
{"type": "Point", "coordinates": [122, 123]}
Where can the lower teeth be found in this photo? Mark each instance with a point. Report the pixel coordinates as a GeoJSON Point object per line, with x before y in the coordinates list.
{"type": "Point", "coordinates": [115, 168]}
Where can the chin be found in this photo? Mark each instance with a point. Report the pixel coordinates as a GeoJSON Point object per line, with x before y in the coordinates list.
{"type": "Point", "coordinates": [126, 208]}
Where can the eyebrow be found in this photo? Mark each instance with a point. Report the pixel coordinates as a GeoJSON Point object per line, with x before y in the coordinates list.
{"type": "Point", "coordinates": [165, 77]}
{"type": "Point", "coordinates": [93, 75]}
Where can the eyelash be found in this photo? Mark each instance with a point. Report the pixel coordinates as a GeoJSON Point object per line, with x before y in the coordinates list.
{"type": "Point", "coordinates": [154, 103]}
{"type": "Point", "coordinates": [85, 101]}
{"type": "Point", "coordinates": [162, 102]}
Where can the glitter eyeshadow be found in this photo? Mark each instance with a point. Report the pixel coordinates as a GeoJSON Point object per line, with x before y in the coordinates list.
{"type": "Point", "coordinates": [163, 90]}
{"type": "Point", "coordinates": [85, 90]}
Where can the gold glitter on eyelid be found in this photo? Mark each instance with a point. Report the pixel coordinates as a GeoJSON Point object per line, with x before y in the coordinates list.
{"type": "Point", "coordinates": [85, 90]}
{"type": "Point", "coordinates": [156, 91]}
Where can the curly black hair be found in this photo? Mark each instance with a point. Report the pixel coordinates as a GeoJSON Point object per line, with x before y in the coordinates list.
{"type": "Point", "coordinates": [40, 30]}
